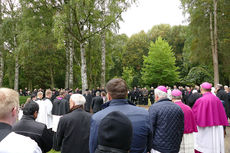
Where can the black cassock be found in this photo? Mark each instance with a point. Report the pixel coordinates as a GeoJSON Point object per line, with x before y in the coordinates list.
{"type": "Point", "coordinates": [60, 106]}
{"type": "Point", "coordinates": [73, 132]}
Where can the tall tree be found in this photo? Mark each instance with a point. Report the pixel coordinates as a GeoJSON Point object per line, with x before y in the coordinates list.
{"type": "Point", "coordinates": [87, 23]}
{"type": "Point", "coordinates": [11, 29]}
{"type": "Point", "coordinates": [215, 51]}
{"type": "Point", "coordinates": [209, 45]}
{"type": "Point", "coordinates": [103, 49]}
{"type": "Point", "coordinates": [159, 66]}
{"type": "Point", "coordinates": [1, 49]}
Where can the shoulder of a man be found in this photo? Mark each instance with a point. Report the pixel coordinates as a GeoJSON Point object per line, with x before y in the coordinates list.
{"type": "Point", "coordinates": [16, 143]}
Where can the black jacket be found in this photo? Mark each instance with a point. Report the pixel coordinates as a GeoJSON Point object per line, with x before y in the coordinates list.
{"type": "Point", "coordinates": [60, 106]}
{"type": "Point", "coordinates": [96, 103]}
{"type": "Point", "coordinates": [222, 95]}
{"type": "Point", "coordinates": [27, 126]}
{"type": "Point", "coordinates": [73, 132]}
{"type": "Point", "coordinates": [88, 99]}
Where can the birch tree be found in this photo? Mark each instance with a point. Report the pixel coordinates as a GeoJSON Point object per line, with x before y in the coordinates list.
{"type": "Point", "coordinates": [215, 51]}
{"type": "Point", "coordinates": [1, 49]}
{"type": "Point", "coordinates": [11, 30]}
{"type": "Point", "coordinates": [87, 15]}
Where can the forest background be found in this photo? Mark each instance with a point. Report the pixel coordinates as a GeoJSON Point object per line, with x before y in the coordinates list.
{"type": "Point", "coordinates": [74, 43]}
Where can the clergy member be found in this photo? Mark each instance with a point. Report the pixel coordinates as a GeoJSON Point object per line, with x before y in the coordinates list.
{"type": "Point", "coordinates": [210, 118]}
{"type": "Point", "coordinates": [187, 144]}
{"type": "Point", "coordinates": [167, 121]}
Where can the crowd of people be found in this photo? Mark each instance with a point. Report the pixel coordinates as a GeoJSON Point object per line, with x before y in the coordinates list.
{"type": "Point", "coordinates": [184, 120]}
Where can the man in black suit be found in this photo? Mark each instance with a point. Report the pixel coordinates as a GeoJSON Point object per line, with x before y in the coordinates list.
{"type": "Point", "coordinates": [97, 102]}
{"type": "Point", "coordinates": [37, 131]}
{"type": "Point", "coordinates": [74, 127]}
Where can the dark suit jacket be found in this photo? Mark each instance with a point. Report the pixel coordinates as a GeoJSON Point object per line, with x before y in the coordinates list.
{"type": "Point", "coordinates": [88, 102]}
{"type": "Point", "coordinates": [96, 103]}
{"type": "Point", "coordinates": [73, 132]}
{"type": "Point", "coordinates": [60, 106]}
{"type": "Point", "coordinates": [27, 126]}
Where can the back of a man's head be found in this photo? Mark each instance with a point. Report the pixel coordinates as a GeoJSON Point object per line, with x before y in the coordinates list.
{"type": "Point", "coordinates": [117, 88]}
{"type": "Point", "coordinates": [48, 93]}
{"type": "Point", "coordinates": [40, 94]}
{"type": "Point", "coordinates": [9, 99]}
{"type": "Point", "coordinates": [30, 108]}
{"type": "Point", "coordinates": [62, 93]}
{"type": "Point", "coordinates": [98, 93]}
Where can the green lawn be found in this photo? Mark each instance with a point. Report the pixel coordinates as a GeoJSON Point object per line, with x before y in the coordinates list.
{"type": "Point", "coordinates": [22, 99]}
{"type": "Point", "coordinates": [53, 151]}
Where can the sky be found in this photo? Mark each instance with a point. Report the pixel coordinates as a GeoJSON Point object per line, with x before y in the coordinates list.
{"type": "Point", "coordinates": [147, 13]}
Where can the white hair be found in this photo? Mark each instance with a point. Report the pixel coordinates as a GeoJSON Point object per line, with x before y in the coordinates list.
{"type": "Point", "coordinates": [177, 97]}
{"type": "Point", "coordinates": [78, 99]}
{"type": "Point", "coordinates": [160, 94]}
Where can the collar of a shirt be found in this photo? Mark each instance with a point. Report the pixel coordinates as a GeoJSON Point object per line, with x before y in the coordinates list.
{"type": "Point", "coordinates": [118, 102]}
{"type": "Point", "coordinates": [28, 117]}
{"type": "Point", "coordinates": [5, 126]}
{"type": "Point", "coordinates": [207, 93]}
{"type": "Point", "coordinates": [164, 99]}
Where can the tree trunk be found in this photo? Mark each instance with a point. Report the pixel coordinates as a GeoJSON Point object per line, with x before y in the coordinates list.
{"type": "Point", "coordinates": [16, 74]}
{"type": "Point", "coordinates": [51, 78]}
{"type": "Point", "coordinates": [71, 50]}
{"type": "Point", "coordinates": [1, 48]}
{"type": "Point", "coordinates": [67, 67]}
{"type": "Point", "coordinates": [103, 54]}
{"type": "Point", "coordinates": [103, 49]}
{"type": "Point", "coordinates": [215, 53]}
{"type": "Point", "coordinates": [90, 64]}
{"type": "Point", "coordinates": [1, 67]}
{"type": "Point", "coordinates": [83, 68]}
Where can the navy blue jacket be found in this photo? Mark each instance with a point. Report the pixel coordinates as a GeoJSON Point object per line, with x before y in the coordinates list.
{"type": "Point", "coordinates": [167, 121]}
{"type": "Point", "coordinates": [139, 117]}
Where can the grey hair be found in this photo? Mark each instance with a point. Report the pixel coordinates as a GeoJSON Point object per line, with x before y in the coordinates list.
{"type": "Point", "coordinates": [78, 99]}
{"type": "Point", "coordinates": [177, 97]}
{"type": "Point", "coordinates": [219, 86]}
{"type": "Point", "coordinates": [160, 94]}
{"type": "Point", "coordinates": [98, 93]}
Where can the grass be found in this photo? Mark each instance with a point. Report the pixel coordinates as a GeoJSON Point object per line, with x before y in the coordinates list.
{"type": "Point", "coordinates": [22, 99]}
{"type": "Point", "coordinates": [53, 151]}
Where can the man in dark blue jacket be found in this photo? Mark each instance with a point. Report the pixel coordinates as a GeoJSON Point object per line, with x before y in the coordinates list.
{"type": "Point", "coordinates": [167, 121]}
{"type": "Point", "coordinates": [117, 91]}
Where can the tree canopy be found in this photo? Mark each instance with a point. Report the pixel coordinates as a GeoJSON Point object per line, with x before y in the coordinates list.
{"type": "Point", "coordinates": [159, 66]}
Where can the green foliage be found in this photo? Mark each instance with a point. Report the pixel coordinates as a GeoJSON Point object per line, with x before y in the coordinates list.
{"type": "Point", "coordinates": [22, 99]}
{"type": "Point", "coordinates": [128, 75]}
{"type": "Point", "coordinates": [136, 47]}
{"type": "Point", "coordinates": [198, 75]}
{"type": "Point", "coordinates": [159, 66]}
{"type": "Point", "coordinates": [198, 42]}
{"type": "Point", "coordinates": [53, 151]}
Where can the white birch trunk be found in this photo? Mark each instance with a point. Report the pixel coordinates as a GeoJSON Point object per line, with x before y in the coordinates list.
{"type": "Point", "coordinates": [1, 47]}
{"type": "Point", "coordinates": [71, 50]}
{"type": "Point", "coordinates": [215, 54]}
{"type": "Point", "coordinates": [16, 74]}
{"type": "Point", "coordinates": [83, 68]}
{"type": "Point", "coordinates": [103, 54]}
{"type": "Point", "coordinates": [67, 68]}
{"type": "Point", "coordinates": [1, 67]}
